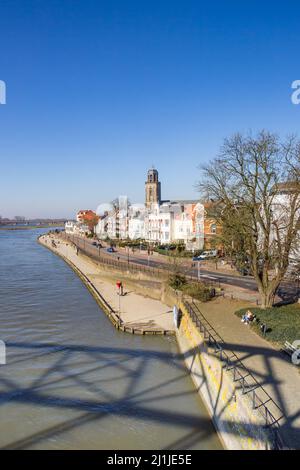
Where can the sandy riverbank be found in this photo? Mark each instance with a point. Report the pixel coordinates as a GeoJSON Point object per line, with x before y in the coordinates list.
{"type": "Point", "coordinates": [135, 311]}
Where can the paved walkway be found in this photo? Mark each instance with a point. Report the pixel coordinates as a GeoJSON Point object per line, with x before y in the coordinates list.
{"type": "Point", "coordinates": [273, 369]}
{"type": "Point", "coordinates": [135, 310]}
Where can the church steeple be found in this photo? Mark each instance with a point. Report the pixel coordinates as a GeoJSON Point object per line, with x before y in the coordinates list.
{"type": "Point", "coordinates": [152, 188]}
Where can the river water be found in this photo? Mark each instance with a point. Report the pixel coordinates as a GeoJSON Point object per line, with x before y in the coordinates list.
{"type": "Point", "coordinates": [71, 380]}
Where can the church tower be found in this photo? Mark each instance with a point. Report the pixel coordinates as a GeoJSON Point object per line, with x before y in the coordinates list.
{"type": "Point", "coordinates": [152, 187]}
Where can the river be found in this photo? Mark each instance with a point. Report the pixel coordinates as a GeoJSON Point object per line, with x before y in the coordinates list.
{"type": "Point", "coordinates": [71, 380]}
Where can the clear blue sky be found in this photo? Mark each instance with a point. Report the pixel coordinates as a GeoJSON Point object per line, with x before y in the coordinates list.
{"type": "Point", "coordinates": [98, 91]}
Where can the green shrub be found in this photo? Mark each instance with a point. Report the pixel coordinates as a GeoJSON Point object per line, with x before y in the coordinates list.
{"type": "Point", "coordinates": [198, 291]}
{"type": "Point", "coordinates": [177, 281]}
{"type": "Point", "coordinates": [283, 323]}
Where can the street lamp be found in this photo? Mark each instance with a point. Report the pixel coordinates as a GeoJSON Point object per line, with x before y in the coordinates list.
{"type": "Point", "coordinates": [198, 270]}
{"type": "Point", "coordinates": [119, 292]}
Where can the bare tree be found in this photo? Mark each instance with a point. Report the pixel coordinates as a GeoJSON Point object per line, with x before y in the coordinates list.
{"type": "Point", "coordinates": [257, 182]}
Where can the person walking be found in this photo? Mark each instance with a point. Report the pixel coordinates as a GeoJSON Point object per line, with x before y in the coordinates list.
{"type": "Point", "coordinates": [120, 288]}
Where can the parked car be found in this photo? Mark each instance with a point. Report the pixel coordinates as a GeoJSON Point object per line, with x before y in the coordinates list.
{"type": "Point", "coordinates": [97, 244]}
{"type": "Point", "coordinates": [244, 271]}
{"type": "Point", "coordinates": [206, 255]}
{"type": "Point", "coordinates": [111, 250]}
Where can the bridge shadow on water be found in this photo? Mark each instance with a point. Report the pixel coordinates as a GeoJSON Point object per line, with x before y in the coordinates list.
{"type": "Point", "coordinates": [126, 397]}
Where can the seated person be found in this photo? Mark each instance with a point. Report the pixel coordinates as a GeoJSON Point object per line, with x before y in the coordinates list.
{"type": "Point", "coordinates": [248, 317]}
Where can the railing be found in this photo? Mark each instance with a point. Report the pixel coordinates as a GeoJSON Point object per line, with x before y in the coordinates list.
{"type": "Point", "coordinates": [260, 398]}
{"type": "Point", "coordinates": [131, 265]}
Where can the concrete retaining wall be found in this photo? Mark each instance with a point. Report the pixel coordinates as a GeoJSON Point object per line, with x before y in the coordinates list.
{"type": "Point", "coordinates": [239, 426]}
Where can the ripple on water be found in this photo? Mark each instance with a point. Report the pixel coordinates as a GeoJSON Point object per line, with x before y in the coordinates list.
{"type": "Point", "coordinates": [72, 381]}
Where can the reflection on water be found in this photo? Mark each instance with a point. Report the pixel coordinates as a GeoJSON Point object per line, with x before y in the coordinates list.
{"type": "Point", "coordinates": [72, 381]}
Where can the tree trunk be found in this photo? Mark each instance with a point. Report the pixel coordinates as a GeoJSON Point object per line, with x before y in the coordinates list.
{"type": "Point", "coordinates": [267, 297]}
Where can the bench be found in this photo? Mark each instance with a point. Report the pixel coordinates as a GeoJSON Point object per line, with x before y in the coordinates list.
{"type": "Point", "coordinates": [289, 348]}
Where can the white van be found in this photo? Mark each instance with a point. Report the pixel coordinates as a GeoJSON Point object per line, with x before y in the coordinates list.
{"type": "Point", "coordinates": [206, 254]}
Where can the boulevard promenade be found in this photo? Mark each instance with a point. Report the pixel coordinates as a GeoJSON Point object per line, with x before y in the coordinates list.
{"type": "Point", "coordinates": [271, 368]}
{"type": "Point", "coordinates": [135, 311]}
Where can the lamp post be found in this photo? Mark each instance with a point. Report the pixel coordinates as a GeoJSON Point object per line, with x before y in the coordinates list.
{"type": "Point", "coordinates": [198, 270]}
{"type": "Point", "coordinates": [119, 284]}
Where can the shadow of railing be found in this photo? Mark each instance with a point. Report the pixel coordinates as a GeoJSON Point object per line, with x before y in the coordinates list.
{"type": "Point", "coordinates": [260, 398]}
{"type": "Point", "coordinates": [142, 403]}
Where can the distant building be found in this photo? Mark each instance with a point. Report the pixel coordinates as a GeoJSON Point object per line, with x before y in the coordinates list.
{"type": "Point", "coordinates": [176, 221]}
{"type": "Point", "coordinates": [76, 228]}
{"type": "Point", "coordinates": [152, 189]}
{"type": "Point", "coordinates": [122, 216]}
{"type": "Point", "coordinates": [212, 228]}
{"type": "Point", "coordinates": [189, 222]}
{"type": "Point", "coordinates": [101, 227]}
{"type": "Point", "coordinates": [285, 199]}
{"type": "Point", "coordinates": [159, 224]}
{"type": "Point", "coordinates": [84, 215]}
{"type": "Point", "coordinates": [136, 222]}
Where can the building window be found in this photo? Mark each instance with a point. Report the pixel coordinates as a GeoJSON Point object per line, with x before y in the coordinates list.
{"type": "Point", "coordinates": [213, 228]}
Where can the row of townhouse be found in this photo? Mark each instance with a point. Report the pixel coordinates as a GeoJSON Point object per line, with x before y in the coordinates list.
{"type": "Point", "coordinates": [155, 221]}
{"type": "Point", "coordinates": [76, 228]}
{"type": "Point", "coordinates": [169, 222]}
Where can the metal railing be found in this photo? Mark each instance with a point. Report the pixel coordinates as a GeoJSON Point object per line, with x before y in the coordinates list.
{"type": "Point", "coordinates": [131, 265]}
{"type": "Point", "coordinates": [260, 398]}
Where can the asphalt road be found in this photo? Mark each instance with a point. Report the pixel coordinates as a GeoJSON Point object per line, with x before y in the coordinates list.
{"type": "Point", "coordinates": [246, 282]}
{"type": "Point", "coordinates": [287, 291]}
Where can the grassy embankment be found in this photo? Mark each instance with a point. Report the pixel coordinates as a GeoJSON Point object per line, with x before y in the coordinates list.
{"type": "Point", "coordinates": [283, 323]}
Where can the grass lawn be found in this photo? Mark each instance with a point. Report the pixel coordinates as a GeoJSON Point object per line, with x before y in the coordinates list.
{"type": "Point", "coordinates": [283, 323]}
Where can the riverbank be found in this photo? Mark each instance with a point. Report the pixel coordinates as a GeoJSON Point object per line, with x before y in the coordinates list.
{"type": "Point", "coordinates": [72, 381]}
{"type": "Point", "coordinates": [31, 227]}
{"type": "Point", "coordinates": [262, 361]}
{"type": "Point", "coordinates": [132, 312]}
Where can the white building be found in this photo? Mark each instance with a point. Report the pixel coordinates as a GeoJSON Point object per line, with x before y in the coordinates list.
{"type": "Point", "coordinates": [76, 228]}
{"type": "Point", "coordinates": [159, 222]}
{"type": "Point", "coordinates": [137, 222]}
{"type": "Point", "coordinates": [136, 229]}
{"type": "Point", "coordinates": [101, 227]}
{"type": "Point", "coordinates": [122, 215]}
{"type": "Point", "coordinates": [176, 221]}
{"type": "Point", "coordinates": [113, 224]}
{"type": "Point", "coordinates": [285, 198]}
